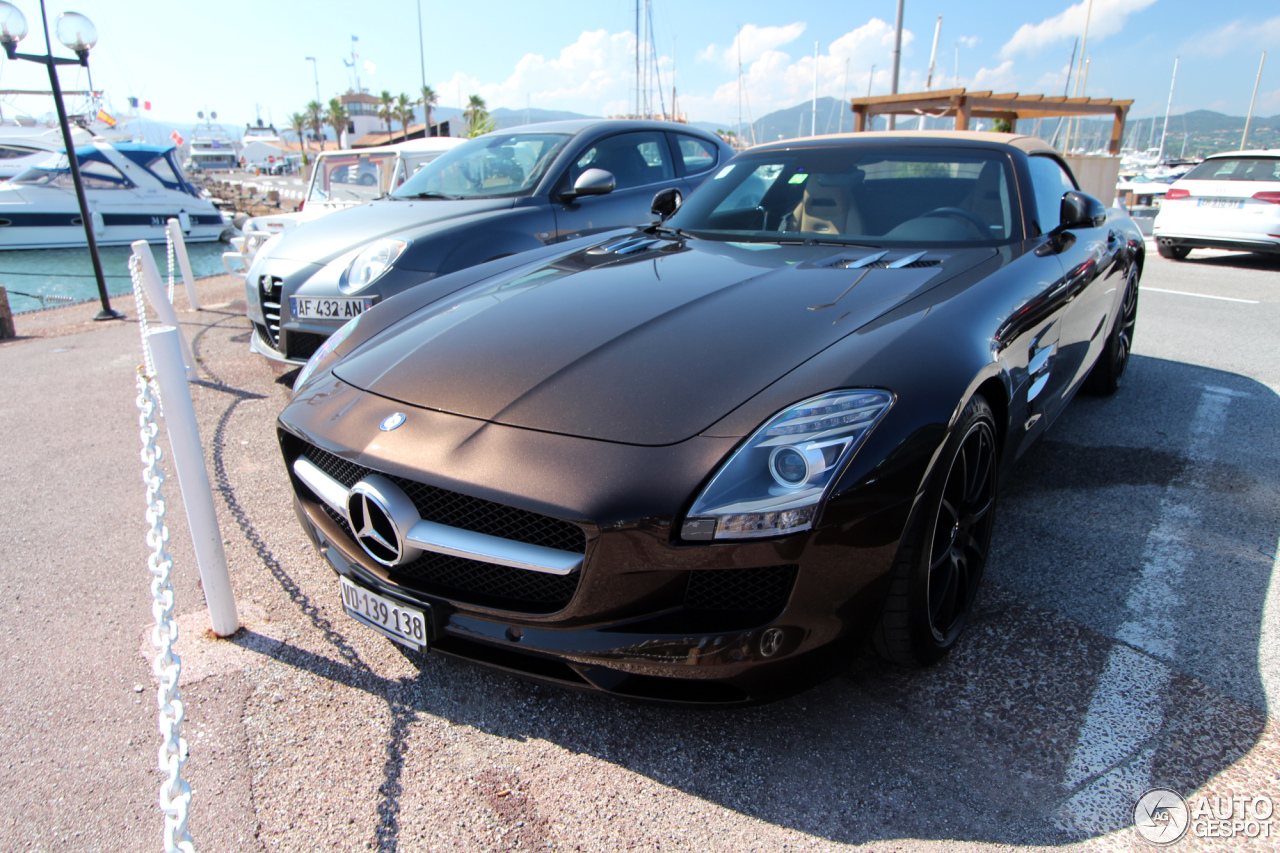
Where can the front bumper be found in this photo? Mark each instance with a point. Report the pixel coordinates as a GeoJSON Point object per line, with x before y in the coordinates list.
{"type": "Point", "coordinates": [646, 616]}
{"type": "Point", "coordinates": [269, 285]}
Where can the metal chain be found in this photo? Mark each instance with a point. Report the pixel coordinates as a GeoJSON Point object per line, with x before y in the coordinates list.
{"type": "Point", "coordinates": [140, 309]}
{"type": "Point", "coordinates": [168, 239]}
{"type": "Point", "coordinates": [175, 793]}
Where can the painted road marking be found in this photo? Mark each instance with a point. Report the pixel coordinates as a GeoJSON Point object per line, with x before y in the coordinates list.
{"type": "Point", "coordinates": [1201, 295]}
{"type": "Point", "coordinates": [1111, 765]}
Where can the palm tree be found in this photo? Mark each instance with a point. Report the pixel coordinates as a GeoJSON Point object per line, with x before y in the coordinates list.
{"type": "Point", "coordinates": [315, 120]}
{"type": "Point", "coordinates": [428, 100]}
{"type": "Point", "coordinates": [336, 117]}
{"type": "Point", "coordinates": [404, 113]}
{"type": "Point", "coordinates": [476, 115]}
{"type": "Point", "coordinates": [298, 123]}
{"type": "Point", "coordinates": [386, 110]}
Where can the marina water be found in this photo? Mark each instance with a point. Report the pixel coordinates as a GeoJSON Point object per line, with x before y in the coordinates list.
{"type": "Point", "coordinates": [68, 273]}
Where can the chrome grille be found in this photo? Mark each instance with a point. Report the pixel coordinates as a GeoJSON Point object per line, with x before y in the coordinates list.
{"type": "Point", "coordinates": [472, 581]}
{"type": "Point", "coordinates": [270, 290]}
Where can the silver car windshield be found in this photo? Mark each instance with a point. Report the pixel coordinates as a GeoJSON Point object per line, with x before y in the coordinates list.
{"type": "Point", "coordinates": [501, 164]}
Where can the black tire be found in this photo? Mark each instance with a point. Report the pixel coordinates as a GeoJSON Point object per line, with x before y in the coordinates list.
{"type": "Point", "coordinates": [1173, 253]}
{"type": "Point", "coordinates": [944, 551]}
{"type": "Point", "coordinates": [1104, 378]}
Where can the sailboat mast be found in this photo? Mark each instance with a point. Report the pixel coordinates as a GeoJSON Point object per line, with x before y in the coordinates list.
{"type": "Point", "coordinates": [1169, 106]}
{"type": "Point", "coordinates": [813, 124]}
{"type": "Point", "coordinates": [933, 58]}
{"type": "Point", "coordinates": [1249, 120]}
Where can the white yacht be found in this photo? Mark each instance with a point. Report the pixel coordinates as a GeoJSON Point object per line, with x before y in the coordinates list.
{"type": "Point", "coordinates": [212, 149]}
{"type": "Point", "coordinates": [132, 190]}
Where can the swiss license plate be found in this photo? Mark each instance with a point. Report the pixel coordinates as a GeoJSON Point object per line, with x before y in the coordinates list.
{"type": "Point", "coordinates": [336, 308]}
{"type": "Point", "coordinates": [1220, 202]}
{"type": "Point", "coordinates": [405, 625]}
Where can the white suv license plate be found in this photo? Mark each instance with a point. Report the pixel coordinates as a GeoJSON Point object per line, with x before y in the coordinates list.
{"type": "Point", "coordinates": [337, 308]}
{"type": "Point", "coordinates": [405, 625]}
{"type": "Point", "coordinates": [1220, 202]}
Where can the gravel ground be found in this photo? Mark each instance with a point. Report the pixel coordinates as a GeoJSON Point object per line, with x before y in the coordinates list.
{"type": "Point", "coordinates": [309, 732]}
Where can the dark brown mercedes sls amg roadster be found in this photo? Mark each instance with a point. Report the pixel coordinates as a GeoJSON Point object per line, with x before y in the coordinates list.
{"type": "Point", "coordinates": [705, 459]}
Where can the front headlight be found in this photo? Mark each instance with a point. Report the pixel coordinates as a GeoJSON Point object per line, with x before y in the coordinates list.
{"type": "Point", "coordinates": [325, 350]}
{"type": "Point", "coordinates": [373, 262]}
{"type": "Point", "coordinates": [775, 482]}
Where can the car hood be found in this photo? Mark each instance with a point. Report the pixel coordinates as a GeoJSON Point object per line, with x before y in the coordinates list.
{"type": "Point", "coordinates": [322, 240]}
{"type": "Point", "coordinates": [640, 340]}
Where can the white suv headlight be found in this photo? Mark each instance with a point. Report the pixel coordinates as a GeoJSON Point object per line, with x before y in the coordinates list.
{"type": "Point", "coordinates": [373, 261]}
{"type": "Point", "coordinates": [774, 483]}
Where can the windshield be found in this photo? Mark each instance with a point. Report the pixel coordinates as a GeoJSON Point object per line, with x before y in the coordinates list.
{"type": "Point", "coordinates": [351, 178]}
{"type": "Point", "coordinates": [502, 164]}
{"type": "Point", "coordinates": [94, 175]}
{"type": "Point", "coordinates": [1237, 169]}
{"type": "Point", "coordinates": [856, 194]}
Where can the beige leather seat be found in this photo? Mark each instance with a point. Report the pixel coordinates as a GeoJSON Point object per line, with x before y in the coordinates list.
{"type": "Point", "coordinates": [828, 206]}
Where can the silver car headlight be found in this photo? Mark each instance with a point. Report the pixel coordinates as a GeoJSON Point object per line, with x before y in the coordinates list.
{"type": "Point", "coordinates": [326, 349]}
{"type": "Point", "coordinates": [774, 483]}
{"type": "Point", "coordinates": [373, 262]}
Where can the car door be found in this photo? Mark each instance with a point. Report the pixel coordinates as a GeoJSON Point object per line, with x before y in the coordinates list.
{"type": "Point", "coordinates": [641, 164]}
{"type": "Point", "coordinates": [1088, 277]}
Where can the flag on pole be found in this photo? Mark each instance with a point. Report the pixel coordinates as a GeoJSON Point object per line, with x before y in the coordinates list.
{"type": "Point", "coordinates": [146, 105]}
{"type": "Point", "coordinates": [355, 38]}
{"type": "Point", "coordinates": [176, 137]}
{"type": "Point", "coordinates": [133, 102]}
{"type": "Point", "coordinates": [106, 118]}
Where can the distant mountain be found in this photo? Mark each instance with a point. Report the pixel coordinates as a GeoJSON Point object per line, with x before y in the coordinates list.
{"type": "Point", "coordinates": [503, 117]}
{"type": "Point", "coordinates": [1205, 132]}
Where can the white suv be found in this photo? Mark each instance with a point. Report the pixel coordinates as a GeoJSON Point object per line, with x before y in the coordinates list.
{"type": "Point", "coordinates": [1230, 201]}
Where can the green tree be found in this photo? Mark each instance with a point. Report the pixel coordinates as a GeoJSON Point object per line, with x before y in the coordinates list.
{"type": "Point", "coordinates": [315, 120]}
{"type": "Point", "coordinates": [386, 110]}
{"type": "Point", "coordinates": [298, 123]}
{"type": "Point", "coordinates": [336, 117]}
{"type": "Point", "coordinates": [477, 116]}
{"type": "Point", "coordinates": [1002, 125]}
{"type": "Point", "coordinates": [404, 113]}
{"type": "Point", "coordinates": [428, 100]}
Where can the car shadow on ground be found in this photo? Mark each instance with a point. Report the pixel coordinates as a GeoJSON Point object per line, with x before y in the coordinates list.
{"type": "Point", "coordinates": [1242, 260]}
{"type": "Point", "coordinates": [1008, 740]}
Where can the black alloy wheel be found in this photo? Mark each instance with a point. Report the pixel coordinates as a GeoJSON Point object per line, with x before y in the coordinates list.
{"type": "Point", "coordinates": [944, 552]}
{"type": "Point", "coordinates": [1104, 378]}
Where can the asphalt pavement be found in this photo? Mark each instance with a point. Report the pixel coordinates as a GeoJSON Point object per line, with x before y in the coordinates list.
{"type": "Point", "coordinates": [1127, 637]}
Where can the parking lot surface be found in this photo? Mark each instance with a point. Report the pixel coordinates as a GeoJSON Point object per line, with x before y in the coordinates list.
{"type": "Point", "coordinates": [1128, 637]}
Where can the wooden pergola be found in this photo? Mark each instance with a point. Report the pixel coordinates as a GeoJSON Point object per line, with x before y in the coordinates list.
{"type": "Point", "coordinates": [964, 105]}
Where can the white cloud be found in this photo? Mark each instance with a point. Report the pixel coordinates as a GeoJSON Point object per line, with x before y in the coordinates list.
{"type": "Point", "coordinates": [968, 41]}
{"type": "Point", "coordinates": [595, 73]}
{"type": "Point", "coordinates": [1234, 36]}
{"type": "Point", "coordinates": [1108, 18]}
{"type": "Point", "coordinates": [774, 81]}
{"type": "Point", "coordinates": [999, 78]}
{"type": "Point", "coordinates": [754, 41]}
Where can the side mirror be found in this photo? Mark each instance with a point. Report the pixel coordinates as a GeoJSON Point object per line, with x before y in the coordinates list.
{"type": "Point", "coordinates": [1080, 210]}
{"type": "Point", "coordinates": [665, 203]}
{"type": "Point", "coordinates": [592, 182]}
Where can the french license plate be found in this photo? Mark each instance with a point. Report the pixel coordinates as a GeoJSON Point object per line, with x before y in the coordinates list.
{"type": "Point", "coordinates": [405, 625]}
{"type": "Point", "coordinates": [1220, 202]}
{"type": "Point", "coordinates": [336, 308]}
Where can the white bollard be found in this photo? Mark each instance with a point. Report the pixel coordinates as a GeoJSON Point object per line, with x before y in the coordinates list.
{"type": "Point", "coordinates": [160, 301]}
{"type": "Point", "coordinates": [193, 479]}
{"type": "Point", "coordinates": [184, 264]}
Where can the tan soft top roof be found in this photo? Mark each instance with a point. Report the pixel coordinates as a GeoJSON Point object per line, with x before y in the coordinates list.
{"type": "Point", "coordinates": [1029, 144]}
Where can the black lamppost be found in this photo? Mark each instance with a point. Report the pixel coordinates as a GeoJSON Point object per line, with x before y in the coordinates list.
{"type": "Point", "coordinates": [77, 33]}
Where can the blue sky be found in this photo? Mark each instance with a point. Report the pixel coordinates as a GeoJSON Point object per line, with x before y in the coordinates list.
{"type": "Point", "coordinates": [579, 56]}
